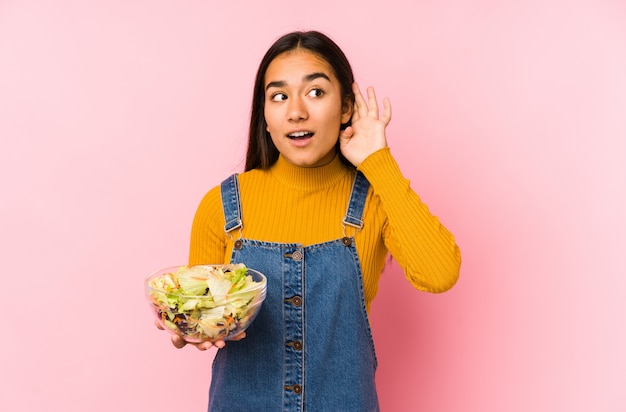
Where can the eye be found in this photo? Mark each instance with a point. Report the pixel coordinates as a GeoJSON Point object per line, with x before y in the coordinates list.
{"type": "Point", "coordinates": [278, 97]}
{"type": "Point", "coordinates": [316, 93]}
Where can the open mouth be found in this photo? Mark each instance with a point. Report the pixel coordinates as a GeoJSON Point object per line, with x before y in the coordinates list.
{"type": "Point", "coordinates": [300, 135]}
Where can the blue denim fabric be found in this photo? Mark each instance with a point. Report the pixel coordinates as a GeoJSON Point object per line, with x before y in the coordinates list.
{"type": "Point", "coordinates": [310, 347]}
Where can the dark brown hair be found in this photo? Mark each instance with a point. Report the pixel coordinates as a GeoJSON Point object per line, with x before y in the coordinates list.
{"type": "Point", "coordinates": [261, 150]}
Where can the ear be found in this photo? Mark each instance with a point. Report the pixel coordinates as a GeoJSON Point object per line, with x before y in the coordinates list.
{"type": "Point", "coordinates": [346, 111]}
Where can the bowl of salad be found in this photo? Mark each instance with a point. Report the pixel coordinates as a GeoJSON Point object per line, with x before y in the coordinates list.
{"type": "Point", "coordinates": [206, 302]}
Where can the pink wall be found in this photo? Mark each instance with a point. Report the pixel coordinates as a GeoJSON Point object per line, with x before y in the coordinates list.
{"type": "Point", "coordinates": [117, 116]}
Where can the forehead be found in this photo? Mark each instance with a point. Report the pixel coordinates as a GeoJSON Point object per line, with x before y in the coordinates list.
{"type": "Point", "coordinates": [293, 65]}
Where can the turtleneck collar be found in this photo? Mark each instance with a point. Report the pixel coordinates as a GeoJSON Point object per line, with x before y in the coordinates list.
{"type": "Point", "coordinates": [308, 179]}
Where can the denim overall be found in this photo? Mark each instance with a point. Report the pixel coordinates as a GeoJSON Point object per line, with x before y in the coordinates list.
{"type": "Point", "coordinates": [310, 347]}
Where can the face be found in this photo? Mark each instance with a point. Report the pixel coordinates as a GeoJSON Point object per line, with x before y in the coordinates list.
{"type": "Point", "coordinates": [304, 108]}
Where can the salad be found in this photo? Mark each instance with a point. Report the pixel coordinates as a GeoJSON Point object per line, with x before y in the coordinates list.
{"type": "Point", "coordinates": [207, 302]}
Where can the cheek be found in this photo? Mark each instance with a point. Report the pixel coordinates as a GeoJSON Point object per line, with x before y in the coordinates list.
{"type": "Point", "coordinates": [273, 117]}
{"type": "Point", "coordinates": [271, 127]}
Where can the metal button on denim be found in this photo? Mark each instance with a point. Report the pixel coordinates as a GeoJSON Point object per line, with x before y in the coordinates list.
{"type": "Point", "coordinates": [297, 255]}
{"type": "Point", "coordinates": [296, 301]}
{"type": "Point", "coordinates": [296, 344]}
{"type": "Point", "coordinates": [295, 388]}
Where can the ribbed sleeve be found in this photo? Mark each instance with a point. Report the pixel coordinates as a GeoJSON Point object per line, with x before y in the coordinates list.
{"type": "Point", "coordinates": [424, 248]}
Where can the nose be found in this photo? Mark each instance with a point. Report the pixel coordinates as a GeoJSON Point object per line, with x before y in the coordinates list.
{"type": "Point", "coordinates": [297, 109]}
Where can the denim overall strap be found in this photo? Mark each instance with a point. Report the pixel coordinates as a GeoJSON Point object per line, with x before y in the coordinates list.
{"type": "Point", "coordinates": [357, 201]}
{"type": "Point", "coordinates": [231, 203]}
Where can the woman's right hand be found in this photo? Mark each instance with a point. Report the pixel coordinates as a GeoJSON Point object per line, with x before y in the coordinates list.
{"type": "Point", "coordinates": [366, 134]}
{"type": "Point", "coordinates": [179, 342]}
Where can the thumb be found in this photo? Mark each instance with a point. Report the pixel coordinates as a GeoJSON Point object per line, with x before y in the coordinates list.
{"type": "Point", "coordinates": [346, 134]}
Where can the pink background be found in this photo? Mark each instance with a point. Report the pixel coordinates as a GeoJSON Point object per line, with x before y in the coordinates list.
{"type": "Point", "coordinates": [509, 119]}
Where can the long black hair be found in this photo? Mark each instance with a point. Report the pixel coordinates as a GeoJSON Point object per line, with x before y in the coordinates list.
{"type": "Point", "coordinates": [261, 150]}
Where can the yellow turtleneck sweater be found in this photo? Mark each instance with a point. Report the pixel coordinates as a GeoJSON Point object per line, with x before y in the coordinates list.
{"type": "Point", "coordinates": [290, 204]}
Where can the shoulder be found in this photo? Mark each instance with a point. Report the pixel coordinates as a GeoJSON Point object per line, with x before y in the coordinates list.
{"type": "Point", "coordinates": [253, 175]}
{"type": "Point", "coordinates": [210, 204]}
{"type": "Point", "coordinates": [213, 196]}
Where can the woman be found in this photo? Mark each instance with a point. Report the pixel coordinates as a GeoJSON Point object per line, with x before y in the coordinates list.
{"type": "Point", "coordinates": [320, 206]}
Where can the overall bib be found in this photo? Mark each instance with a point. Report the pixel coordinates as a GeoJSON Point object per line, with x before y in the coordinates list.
{"type": "Point", "coordinates": [310, 347]}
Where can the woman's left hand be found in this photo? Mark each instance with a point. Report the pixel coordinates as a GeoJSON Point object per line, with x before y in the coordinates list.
{"type": "Point", "coordinates": [367, 132]}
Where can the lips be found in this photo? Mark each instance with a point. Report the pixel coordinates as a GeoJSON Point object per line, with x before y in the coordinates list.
{"type": "Point", "coordinates": [303, 134]}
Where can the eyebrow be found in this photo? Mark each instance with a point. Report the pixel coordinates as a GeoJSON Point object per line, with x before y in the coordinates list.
{"type": "Point", "coordinates": [307, 79]}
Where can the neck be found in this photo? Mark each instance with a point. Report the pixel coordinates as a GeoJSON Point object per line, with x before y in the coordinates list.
{"type": "Point", "coordinates": [308, 178]}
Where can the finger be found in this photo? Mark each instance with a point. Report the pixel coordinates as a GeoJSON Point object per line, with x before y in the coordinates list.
{"type": "Point", "coordinates": [178, 342]}
{"type": "Point", "coordinates": [347, 133]}
{"type": "Point", "coordinates": [386, 111]}
{"type": "Point", "coordinates": [372, 103]}
{"type": "Point", "coordinates": [218, 344]}
{"type": "Point", "coordinates": [359, 102]}
{"type": "Point", "coordinates": [207, 345]}
{"type": "Point", "coordinates": [239, 337]}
